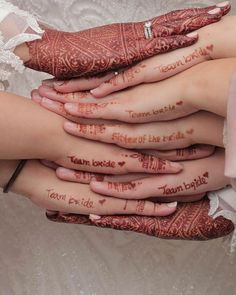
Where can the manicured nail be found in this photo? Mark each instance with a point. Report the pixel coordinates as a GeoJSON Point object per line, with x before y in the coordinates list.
{"type": "Point", "coordinates": [59, 83]}
{"type": "Point", "coordinates": [192, 35]}
{"type": "Point", "coordinates": [70, 126]}
{"type": "Point", "coordinates": [178, 166]}
{"type": "Point", "coordinates": [65, 173]}
{"type": "Point", "coordinates": [94, 217]}
{"type": "Point", "coordinates": [48, 102]}
{"type": "Point", "coordinates": [172, 205]}
{"type": "Point", "coordinates": [36, 97]}
{"type": "Point", "coordinates": [48, 82]}
{"type": "Point", "coordinates": [70, 107]}
{"type": "Point", "coordinates": [214, 11]}
{"type": "Point", "coordinates": [223, 4]}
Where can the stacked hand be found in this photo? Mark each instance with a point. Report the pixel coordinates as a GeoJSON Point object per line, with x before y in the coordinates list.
{"type": "Point", "coordinates": [152, 124]}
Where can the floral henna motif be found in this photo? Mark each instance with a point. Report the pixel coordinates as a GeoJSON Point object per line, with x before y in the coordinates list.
{"type": "Point", "coordinates": [189, 222]}
{"type": "Point", "coordinates": [97, 50]}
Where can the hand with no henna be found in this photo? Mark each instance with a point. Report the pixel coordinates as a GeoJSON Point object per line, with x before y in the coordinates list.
{"type": "Point", "coordinates": [106, 48]}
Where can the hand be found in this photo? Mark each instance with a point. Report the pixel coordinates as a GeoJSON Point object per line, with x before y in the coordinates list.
{"type": "Point", "coordinates": [45, 190]}
{"type": "Point", "coordinates": [191, 221]}
{"type": "Point", "coordinates": [66, 55]}
{"type": "Point", "coordinates": [215, 41]}
{"type": "Point", "coordinates": [179, 96]}
{"type": "Point", "coordinates": [197, 177]}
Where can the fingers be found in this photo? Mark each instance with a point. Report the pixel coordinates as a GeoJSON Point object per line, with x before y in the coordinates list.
{"type": "Point", "coordinates": [110, 162]}
{"type": "Point", "coordinates": [159, 135]}
{"type": "Point", "coordinates": [78, 199]}
{"type": "Point", "coordinates": [191, 12]}
{"type": "Point", "coordinates": [53, 106]}
{"type": "Point", "coordinates": [197, 177]}
{"type": "Point", "coordinates": [77, 84]}
{"type": "Point", "coordinates": [87, 177]}
{"type": "Point", "coordinates": [144, 71]}
{"type": "Point", "coordinates": [193, 152]}
{"type": "Point", "coordinates": [51, 93]}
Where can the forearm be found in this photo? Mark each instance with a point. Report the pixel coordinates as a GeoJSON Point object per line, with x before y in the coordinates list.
{"type": "Point", "coordinates": [27, 130]}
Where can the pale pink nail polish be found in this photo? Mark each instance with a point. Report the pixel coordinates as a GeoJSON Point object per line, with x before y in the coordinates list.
{"type": "Point", "coordinates": [214, 11]}
{"type": "Point", "coordinates": [192, 35]}
{"type": "Point", "coordinates": [172, 205]}
{"type": "Point", "coordinates": [70, 107]}
{"type": "Point", "coordinates": [222, 4]}
{"type": "Point", "coordinates": [70, 126]}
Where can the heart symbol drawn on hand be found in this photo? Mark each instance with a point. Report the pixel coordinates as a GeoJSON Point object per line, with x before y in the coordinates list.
{"type": "Point", "coordinates": [206, 174]}
{"type": "Point", "coordinates": [210, 47]}
{"type": "Point", "coordinates": [102, 201]}
{"type": "Point", "coordinates": [121, 164]}
{"type": "Point", "coordinates": [179, 103]}
{"type": "Point", "coordinates": [190, 131]}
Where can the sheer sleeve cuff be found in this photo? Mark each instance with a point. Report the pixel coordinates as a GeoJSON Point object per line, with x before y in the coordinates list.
{"type": "Point", "coordinates": [16, 27]}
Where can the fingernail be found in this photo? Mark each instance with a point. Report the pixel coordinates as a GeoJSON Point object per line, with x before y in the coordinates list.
{"type": "Point", "coordinates": [48, 102]}
{"type": "Point", "coordinates": [45, 89]}
{"type": "Point", "coordinates": [214, 11]}
{"type": "Point", "coordinates": [178, 166]}
{"type": "Point", "coordinates": [59, 83]}
{"type": "Point", "coordinates": [172, 205]}
{"type": "Point", "coordinates": [94, 217]}
{"type": "Point", "coordinates": [70, 126]}
{"type": "Point", "coordinates": [70, 107]}
{"type": "Point", "coordinates": [36, 97]}
{"type": "Point", "coordinates": [63, 172]}
{"type": "Point", "coordinates": [48, 82]}
{"type": "Point", "coordinates": [222, 4]}
{"type": "Point", "coordinates": [97, 184]}
{"type": "Point", "coordinates": [192, 35]}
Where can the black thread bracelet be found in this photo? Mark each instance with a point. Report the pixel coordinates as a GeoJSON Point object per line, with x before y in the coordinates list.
{"type": "Point", "coordinates": [14, 176]}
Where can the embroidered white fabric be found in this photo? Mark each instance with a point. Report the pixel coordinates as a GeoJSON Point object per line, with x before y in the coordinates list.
{"type": "Point", "coordinates": [37, 256]}
{"type": "Point", "coordinates": [16, 27]}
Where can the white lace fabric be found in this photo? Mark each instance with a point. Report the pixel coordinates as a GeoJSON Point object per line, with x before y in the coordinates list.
{"type": "Point", "coordinates": [16, 27]}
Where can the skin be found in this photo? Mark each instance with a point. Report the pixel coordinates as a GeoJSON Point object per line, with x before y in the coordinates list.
{"type": "Point", "coordinates": [41, 186]}
{"type": "Point", "coordinates": [44, 138]}
{"type": "Point", "coordinates": [215, 42]}
{"type": "Point", "coordinates": [193, 100]}
{"type": "Point", "coordinates": [92, 51]}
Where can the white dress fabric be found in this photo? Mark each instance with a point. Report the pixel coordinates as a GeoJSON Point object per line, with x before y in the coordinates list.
{"type": "Point", "coordinates": [41, 257]}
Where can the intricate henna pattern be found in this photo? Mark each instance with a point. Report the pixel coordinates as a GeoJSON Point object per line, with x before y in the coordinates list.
{"type": "Point", "coordinates": [97, 50]}
{"type": "Point", "coordinates": [189, 222]}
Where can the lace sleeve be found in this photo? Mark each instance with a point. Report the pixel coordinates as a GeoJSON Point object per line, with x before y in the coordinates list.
{"type": "Point", "coordinates": [16, 27]}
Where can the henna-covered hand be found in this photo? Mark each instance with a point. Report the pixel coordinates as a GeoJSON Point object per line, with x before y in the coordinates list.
{"type": "Point", "coordinates": [92, 51]}
{"type": "Point", "coordinates": [190, 222]}
{"type": "Point", "coordinates": [197, 177]}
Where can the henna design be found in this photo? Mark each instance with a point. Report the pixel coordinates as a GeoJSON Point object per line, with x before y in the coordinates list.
{"type": "Point", "coordinates": [121, 186]}
{"type": "Point", "coordinates": [55, 196]}
{"type": "Point", "coordinates": [190, 131]}
{"type": "Point", "coordinates": [94, 163]}
{"type": "Point", "coordinates": [149, 162]}
{"type": "Point", "coordinates": [155, 112]}
{"type": "Point", "coordinates": [92, 51]}
{"type": "Point", "coordinates": [190, 222]}
{"type": "Point", "coordinates": [196, 54]}
{"type": "Point", "coordinates": [102, 201]}
{"type": "Point", "coordinates": [185, 186]}
{"type": "Point", "coordinates": [140, 206]}
{"type": "Point", "coordinates": [90, 108]}
{"type": "Point", "coordinates": [91, 129]}
{"type": "Point", "coordinates": [126, 203]}
{"type": "Point", "coordinates": [189, 151]}
{"type": "Point", "coordinates": [87, 203]}
{"type": "Point", "coordinates": [70, 199]}
{"type": "Point", "coordinates": [86, 177]}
